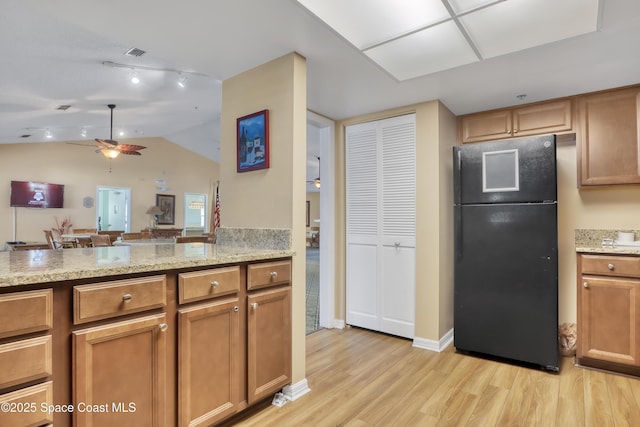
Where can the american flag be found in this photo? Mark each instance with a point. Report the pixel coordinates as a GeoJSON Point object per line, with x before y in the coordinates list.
{"type": "Point", "coordinates": [216, 212]}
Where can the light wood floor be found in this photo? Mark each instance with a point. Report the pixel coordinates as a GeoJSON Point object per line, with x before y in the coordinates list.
{"type": "Point", "coordinates": [361, 378]}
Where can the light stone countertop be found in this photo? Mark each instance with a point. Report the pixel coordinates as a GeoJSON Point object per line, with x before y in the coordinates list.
{"type": "Point", "coordinates": [590, 241]}
{"type": "Point", "coordinates": [43, 266]}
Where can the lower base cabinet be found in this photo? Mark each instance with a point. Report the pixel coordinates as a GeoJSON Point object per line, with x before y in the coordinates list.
{"type": "Point", "coordinates": [208, 362]}
{"type": "Point", "coordinates": [609, 312]}
{"type": "Point", "coordinates": [24, 407]}
{"type": "Point", "coordinates": [119, 373]}
{"type": "Point", "coordinates": [268, 342]}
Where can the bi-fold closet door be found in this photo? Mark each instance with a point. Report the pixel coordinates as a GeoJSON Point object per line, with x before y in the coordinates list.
{"type": "Point", "coordinates": [381, 225]}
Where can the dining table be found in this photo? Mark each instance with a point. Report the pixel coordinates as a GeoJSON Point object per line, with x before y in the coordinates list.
{"type": "Point", "coordinates": [83, 239]}
{"type": "Point", "coordinates": [143, 242]}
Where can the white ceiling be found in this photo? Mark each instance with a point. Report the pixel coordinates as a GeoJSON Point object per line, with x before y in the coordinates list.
{"type": "Point", "coordinates": [53, 53]}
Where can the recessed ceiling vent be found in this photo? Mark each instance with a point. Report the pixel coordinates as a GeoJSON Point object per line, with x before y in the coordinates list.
{"type": "Point", "coordinates": [63, 107]}
{"type": "Point", "coordinates": [134, 51]}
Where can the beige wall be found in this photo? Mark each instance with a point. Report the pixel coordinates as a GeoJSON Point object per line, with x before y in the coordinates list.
{"type": "Point", "coordinates": [273, 197]}
{"type": "Point", "coordinates": [435, 137]}
{"type": "Point", "coordinates": [606, 208]}
{"type": "Point", "coordinates": [81, 171]}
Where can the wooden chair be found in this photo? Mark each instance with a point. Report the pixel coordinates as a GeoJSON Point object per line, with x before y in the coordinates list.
{"type": "Point", "coordinates": [98, 240]}
{"type": "Point", "coordinates": [113, 234]}
{"type": "Point", "coordinates": [191, 239]}
{"type": "Point", "coordinates": [84, 231]}
{"type": "Point", "coordinates": [55, 244]}
{"type": "Point", "coordinates": [136, 236]}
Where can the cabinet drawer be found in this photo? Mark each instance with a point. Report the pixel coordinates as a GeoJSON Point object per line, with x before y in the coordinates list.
{"type": "Point", "coordinates": [29, 360]}
{"type": "Point", "coordinates": [24, 312]}
{"type": "Point", "coordinates": [608, 265]}
{"type": "Point", "coordinates": [29, 400]}
{"type": "Point", "coordinates": [110, 299]}
{"type": "Point", "coordinates": [268, 274]}
{"type": "Point", "coordinates": [199, 285]}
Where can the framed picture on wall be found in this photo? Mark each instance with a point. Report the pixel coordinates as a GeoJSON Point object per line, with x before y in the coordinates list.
{"type": "Point", "coordinates": [167, 204]}
{"type": "Point", "coordinates": [253, 141]}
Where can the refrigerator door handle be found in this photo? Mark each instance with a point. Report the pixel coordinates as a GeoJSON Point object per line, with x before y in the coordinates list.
{"type": "Point", "coordinates": [457, 212]}
{"type": "Point", "coordinates": [457, 181]}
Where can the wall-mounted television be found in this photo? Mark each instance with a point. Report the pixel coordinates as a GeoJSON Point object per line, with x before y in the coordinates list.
{"type": "Point", "coordinates": [36, 194]}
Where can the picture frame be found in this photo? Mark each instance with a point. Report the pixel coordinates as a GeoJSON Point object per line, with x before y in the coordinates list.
{"type": "Point", "coordinates": [167, 203]}
{"type": "Point", "coordinates": [253, 141]}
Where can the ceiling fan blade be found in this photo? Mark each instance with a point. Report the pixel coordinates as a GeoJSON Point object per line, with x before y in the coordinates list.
{"type": "Point", "coordinates": [83, 145]}
{"type": "Point", "coordinates": [130, 147]}
{"type": "Point", "coordinates": [130, 153]}
{"type": "Point", "coordinates": [109, 143]}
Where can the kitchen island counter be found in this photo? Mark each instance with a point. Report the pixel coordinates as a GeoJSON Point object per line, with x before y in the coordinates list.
{"type": "Point", "coordinates": [48, 266]}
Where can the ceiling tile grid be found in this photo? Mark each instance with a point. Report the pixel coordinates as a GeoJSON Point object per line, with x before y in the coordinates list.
{"type": "Point", "coordinates": [414, 38]}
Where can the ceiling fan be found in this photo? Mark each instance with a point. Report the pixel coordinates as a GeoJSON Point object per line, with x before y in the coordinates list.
{"type": "Point", "coordinates": [111, 149]}
{"type": "Point", "coordinates": [316, 181]}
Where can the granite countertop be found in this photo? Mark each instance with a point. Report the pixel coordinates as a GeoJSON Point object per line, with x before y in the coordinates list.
{"type": "Point", "coordinates": [590, 241]}
{"type": "Point", "coordinates": [42, 266]}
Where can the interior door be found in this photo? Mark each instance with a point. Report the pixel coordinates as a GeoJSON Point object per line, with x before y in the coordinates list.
{"type": "Point", "coordinates": [113, 208]}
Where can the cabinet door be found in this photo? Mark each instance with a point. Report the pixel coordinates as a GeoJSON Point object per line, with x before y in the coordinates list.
{"type": "Point", "coordinates": [119, 373]}
{"type": "Point", "coordinates": [609, 319]}
{"type": "Point", "coordinates": [485, 126]}
{"type": "Point", "coordinates": [547, 117]}
{"type": "Point", "coordinates": [268, 342]}
{"type": "Point", "coordinates": [208, 362]}
{"type": "Point", "coordinates": [608, 150]}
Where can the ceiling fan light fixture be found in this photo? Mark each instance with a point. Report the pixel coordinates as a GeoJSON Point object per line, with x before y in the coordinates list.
{"type": "Point", "coordinates": [316, 182]}
{"type": "Point", "coordinates": [110, 154]}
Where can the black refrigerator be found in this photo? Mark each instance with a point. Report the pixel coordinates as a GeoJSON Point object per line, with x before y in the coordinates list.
{"type": "Point", "coordinates": [506, 250]}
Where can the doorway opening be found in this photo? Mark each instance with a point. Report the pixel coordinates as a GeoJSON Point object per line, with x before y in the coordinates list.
{"type": "Point", "coordinates": [113, 209]}
{"type": "Point", "coordinates": [320, 259]}
{"type": "Point", "coordinates": [195, 214]}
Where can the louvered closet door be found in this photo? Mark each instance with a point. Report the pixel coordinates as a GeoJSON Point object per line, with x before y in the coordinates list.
{"type": "Point", "coordinates": [362, 225]}
{"type": "Point", "coordinates": [398, 235]}
{"type": "Point", "coordinates": [380, 171]}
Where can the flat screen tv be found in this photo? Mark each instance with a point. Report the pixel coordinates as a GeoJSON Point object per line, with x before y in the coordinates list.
{"type": "Point", "coordinates": [36, 194]}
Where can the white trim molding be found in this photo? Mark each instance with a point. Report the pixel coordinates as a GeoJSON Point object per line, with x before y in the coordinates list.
{"type": "Point", "coordinates": [338, 323]}
{"type": "Point", "coordinates": [295, 391]}
{"type": "Point", "coordinates": [432, 345]}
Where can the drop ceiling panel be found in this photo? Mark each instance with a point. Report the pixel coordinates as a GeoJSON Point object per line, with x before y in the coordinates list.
{"type": "Point", "coordinates": [512, 25]}
{"type": "Point", "coordinates": [365, 23]}
{"type": "Point", "coordinates": [437, 48]}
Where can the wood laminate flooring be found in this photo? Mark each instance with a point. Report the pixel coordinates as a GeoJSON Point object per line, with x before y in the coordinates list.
{"type": "Point", "coordinates": [362, 378]}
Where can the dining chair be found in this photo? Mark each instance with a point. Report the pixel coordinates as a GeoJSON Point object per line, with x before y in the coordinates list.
{"type": "Point", "coordinates": [98, 240]}
{"type": "Point", "coordinates": [191, 239]}
{"type": "Point", "coordinates": [84, 231]}
{"type": "Point", "coordinates": [55, 244]}
{"type": "Point", "coordinates": [132, 236]}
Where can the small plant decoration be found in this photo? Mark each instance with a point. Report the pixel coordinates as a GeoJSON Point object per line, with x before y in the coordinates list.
{"type": "Point", "coordinates": [63, 227]}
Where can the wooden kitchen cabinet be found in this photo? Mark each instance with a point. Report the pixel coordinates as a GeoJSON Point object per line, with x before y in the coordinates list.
{"type": "Point", "coordinates": [535, 119]}
{"type": "Point", "coordinates": [208, 362]}
{"type": "Point", "coordinates": [268, 328]}
{"type": "Point", "coordinates": [609, 311]}
{"type": "Point", "coordinates": [268, 342]}
{"type": "Point", "coordinates": [609, 142]}
{"type": "Point", "coordinates": [121, 364]}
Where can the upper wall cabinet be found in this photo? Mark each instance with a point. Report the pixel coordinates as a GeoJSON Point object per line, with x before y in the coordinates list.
{"type": "Point", "coordinates": [535, 119]}
{"type": "Point", "coordinates": [609, 142]}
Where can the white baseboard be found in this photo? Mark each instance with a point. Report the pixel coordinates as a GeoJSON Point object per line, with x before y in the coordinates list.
{"type": "Point", "coordinates": [432, 345]}
{"type": "Point", "coordinates": [338, 324]}
{"type": "Point", "coordinates": [295, 391]}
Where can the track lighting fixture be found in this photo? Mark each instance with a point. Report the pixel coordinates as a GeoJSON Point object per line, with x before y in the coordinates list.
{"type": "Point", "coordinates": [135, 76]}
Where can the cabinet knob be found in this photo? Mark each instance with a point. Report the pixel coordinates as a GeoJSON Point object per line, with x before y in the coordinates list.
{"type": "Point", "coordinates": [163, 327]}
{"type": "Point", "coordinates": [127, 297]}
{"type": "Point", "coordinates": [273, 274]}
{"type": "Point", "coordinates": [254, 305]}
{"type": "Point", "coordinates": [235, 308]}
{"type": "Point", "coordinates": [585, 284]}
{"type": "Point", "coordinates": [215, 283]}
{"type": "Point", "coordinates": [611, 267]}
